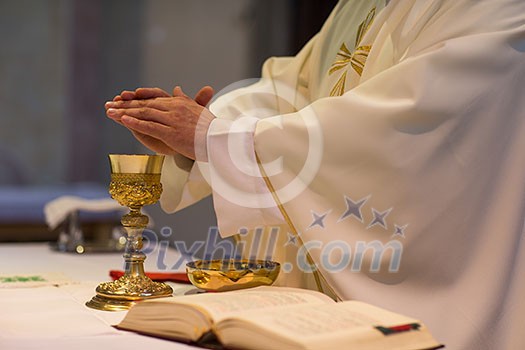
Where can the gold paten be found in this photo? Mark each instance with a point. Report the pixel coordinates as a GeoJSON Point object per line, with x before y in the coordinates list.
{"type": "Point", "coordinates": [232, 274]}
{"type": "Point", "coordinates": [135, 182]}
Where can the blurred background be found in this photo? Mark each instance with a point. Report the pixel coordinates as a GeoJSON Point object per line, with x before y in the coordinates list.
{"type": "Point", "coordinates": [62, 59]}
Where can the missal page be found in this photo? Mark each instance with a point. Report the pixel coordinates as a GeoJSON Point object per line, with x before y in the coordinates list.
{"type": "Point", "coordinates": [221, 305]}
{"type": "Point", "coordinates": [344, 316]}
{"type": "Point", "coordinates": [311, 321]}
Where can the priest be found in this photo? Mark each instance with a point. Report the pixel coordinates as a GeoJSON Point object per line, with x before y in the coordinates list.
{"type": "Point", "coordinates": [384, 162]}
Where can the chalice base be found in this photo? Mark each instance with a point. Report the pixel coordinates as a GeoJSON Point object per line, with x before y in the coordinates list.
{"type": "Point", "coordinates": [123, 293]}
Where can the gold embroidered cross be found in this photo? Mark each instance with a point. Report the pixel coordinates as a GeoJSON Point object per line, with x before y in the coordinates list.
{"type": "Point", "coordinates": [356, 59]}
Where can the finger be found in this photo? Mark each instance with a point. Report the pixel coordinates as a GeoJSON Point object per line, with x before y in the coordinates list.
{"type": "Point", "coordinates": [127, 95]}
{"type": "Point", "coordinates": [148, 128]}
{"type": "Point", "coordinates": [109, 104]}
{"type": "Point", "coordinates": [204, 95]}
{"type": "Point", "coordinates": [145, 114]}
{"type": "Point", "coordinates": [145, 93]}
{"type": "Point", "coordinates": [114, 114]}
{"type": "Point", "coordinates": [177, 92]}
{"type": "Point", "coordinates": [152, 143]}
{"type": "Point", "coordinates": [160, 103]}
{"type": "Point", "coordinates": [115, 119]}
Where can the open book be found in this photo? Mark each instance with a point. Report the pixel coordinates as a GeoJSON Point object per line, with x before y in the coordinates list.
{"type": "Point", "coordinates": [277, 318]}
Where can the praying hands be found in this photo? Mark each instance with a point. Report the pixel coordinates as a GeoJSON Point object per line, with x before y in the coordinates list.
{"type": "Point", "coordinates": [163, 123]}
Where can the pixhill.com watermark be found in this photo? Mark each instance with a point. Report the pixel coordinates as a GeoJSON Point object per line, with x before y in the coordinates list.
{"type": "Point", "coordinates": [333, 256]}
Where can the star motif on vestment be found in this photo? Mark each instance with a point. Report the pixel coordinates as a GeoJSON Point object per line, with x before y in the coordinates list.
{"type": "Point", "coordinates": [353, 208]}
{"type": "Point", "coordinates": [399, 230]}
{"type": "Point", "coordinates": [379, 218]}
{"type": "Point", "coordinates": [292, 239]}
{"type": "Point", "coordinates": [318, 219]}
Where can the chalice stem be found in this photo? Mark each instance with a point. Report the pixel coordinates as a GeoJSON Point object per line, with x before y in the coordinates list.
{"type": "Point", "coordinates": [134, 223]}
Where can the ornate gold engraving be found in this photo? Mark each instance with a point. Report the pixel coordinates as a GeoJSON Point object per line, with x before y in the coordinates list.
{"type": "Point", "coordinates": [131, 287]}
{"type": "Point", "coordinates": [135, 190]}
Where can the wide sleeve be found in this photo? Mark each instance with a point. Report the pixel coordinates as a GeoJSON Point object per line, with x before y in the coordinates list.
{"type": "Point", "coordinates": [423, 137]}
{"type": "Point", "coordinates": [278, 91]}
{"type": "Point", "coordinates": [428, 121]}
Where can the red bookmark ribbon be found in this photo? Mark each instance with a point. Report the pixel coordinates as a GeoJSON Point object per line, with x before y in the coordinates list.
{"type": "Point", "coordinates": [178, 277]}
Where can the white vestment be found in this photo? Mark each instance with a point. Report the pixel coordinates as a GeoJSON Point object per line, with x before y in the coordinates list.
{"type": "Point", "coordinates": [408, 140]}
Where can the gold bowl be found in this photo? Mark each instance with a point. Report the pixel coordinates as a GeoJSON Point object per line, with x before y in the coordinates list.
{"type": "Point", "coordinates": [231, 274]}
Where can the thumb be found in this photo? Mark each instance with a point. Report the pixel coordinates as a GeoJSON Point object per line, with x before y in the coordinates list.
{"type": "Point", "coordinates": [177, 92]}
{"type": "Point", "coordinates": [204, 95]}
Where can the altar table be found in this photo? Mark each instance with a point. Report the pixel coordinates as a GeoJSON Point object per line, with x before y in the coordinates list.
{"type": "Point", "coordinates": [55, 317]}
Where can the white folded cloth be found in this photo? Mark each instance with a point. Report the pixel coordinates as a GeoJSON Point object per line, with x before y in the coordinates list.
{"type": "Point", "coordinates": [57, 210]}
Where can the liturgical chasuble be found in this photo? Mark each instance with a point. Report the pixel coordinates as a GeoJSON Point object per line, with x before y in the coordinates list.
{"type": "Point", "coordinates": [392, 149]}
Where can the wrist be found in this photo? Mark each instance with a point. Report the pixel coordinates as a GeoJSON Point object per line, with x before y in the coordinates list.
{"type": "Point", "coordinates": [201, 135]}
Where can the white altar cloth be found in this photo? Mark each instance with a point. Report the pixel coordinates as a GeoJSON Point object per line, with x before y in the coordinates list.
{"type": "Point", "coordinates": [56, 318]}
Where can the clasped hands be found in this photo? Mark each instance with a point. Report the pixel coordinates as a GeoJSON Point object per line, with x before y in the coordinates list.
{"type": "Point", "coordinates": [165, 124]}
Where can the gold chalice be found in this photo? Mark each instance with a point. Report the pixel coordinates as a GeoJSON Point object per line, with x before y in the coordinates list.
{"type": "Point", "coordinates": [135, 182]}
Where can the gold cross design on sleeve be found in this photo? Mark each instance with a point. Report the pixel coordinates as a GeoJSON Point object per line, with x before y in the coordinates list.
{"type": "Point", "coordinates": [356, 59]}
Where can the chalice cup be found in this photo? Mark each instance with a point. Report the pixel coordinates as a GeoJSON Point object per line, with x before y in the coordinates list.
{"type": "Point", "coordinates": [135, 182]}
